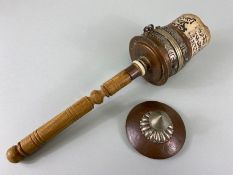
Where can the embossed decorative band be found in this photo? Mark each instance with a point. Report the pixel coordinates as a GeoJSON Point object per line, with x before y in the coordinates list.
{"type": "Point", "coordinates": [167, 45]}
{"type": "Point", "coordinates": [174, 44]}
{"type": "Point", "coordinates": [183, 46]}
{"type": "Point", "coordinates": [156, 126]}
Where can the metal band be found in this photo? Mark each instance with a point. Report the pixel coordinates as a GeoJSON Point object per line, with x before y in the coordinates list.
{"type": "Point", "coordinates": [174, 44]}
{"type": "Point", "coordinates": [140, 65]}
{"type": "Point", "coordinates": [182, 44]}
{"type": "Point", "coordinates": [170, 51]}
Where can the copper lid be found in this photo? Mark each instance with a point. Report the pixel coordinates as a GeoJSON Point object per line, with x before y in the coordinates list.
{"type": "Point", "coordinates": [155, 130]}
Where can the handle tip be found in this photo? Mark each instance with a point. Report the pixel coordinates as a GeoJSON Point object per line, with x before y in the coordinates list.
{"type": "Point", "coordinates": [13, 155]}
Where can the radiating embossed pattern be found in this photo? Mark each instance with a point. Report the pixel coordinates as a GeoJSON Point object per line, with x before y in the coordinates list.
{"type": "Point", "coordinates": [156, 126]}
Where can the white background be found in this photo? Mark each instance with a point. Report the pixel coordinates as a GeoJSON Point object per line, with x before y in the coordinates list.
{"type": "Point", "coordinates": [52, 52]}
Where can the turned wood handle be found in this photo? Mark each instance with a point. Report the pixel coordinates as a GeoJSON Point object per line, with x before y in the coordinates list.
{"type": "Point", "coordinates": [37, 138]}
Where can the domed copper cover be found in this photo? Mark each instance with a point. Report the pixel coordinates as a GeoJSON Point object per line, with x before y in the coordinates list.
{"type": "Point", "coordinates": [155, 130]}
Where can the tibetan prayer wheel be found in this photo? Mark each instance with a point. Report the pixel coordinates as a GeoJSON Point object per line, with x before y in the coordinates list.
{"type": "Point", "coordinates": [157, 54]}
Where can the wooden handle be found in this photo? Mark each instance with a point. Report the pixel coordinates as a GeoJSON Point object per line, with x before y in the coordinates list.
{"type": "Point", "coordinates": [37, 138]}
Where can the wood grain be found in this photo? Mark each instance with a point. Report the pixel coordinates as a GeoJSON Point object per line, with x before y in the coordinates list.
{"type": "Point", "coordinates": [37, 138]}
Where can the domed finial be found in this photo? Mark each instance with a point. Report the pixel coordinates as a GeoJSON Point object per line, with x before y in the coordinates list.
{"type": "Point", "coordinates": [156, 126]}
{"type": "Point", "coordinates": [13, 155]}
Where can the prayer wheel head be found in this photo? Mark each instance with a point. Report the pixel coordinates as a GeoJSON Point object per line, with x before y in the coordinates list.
{"type": "Point", "coordinates": [167, 49]}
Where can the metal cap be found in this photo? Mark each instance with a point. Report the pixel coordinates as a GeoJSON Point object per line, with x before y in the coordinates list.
{"type": "Point", "coordinates": [155, 130]}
